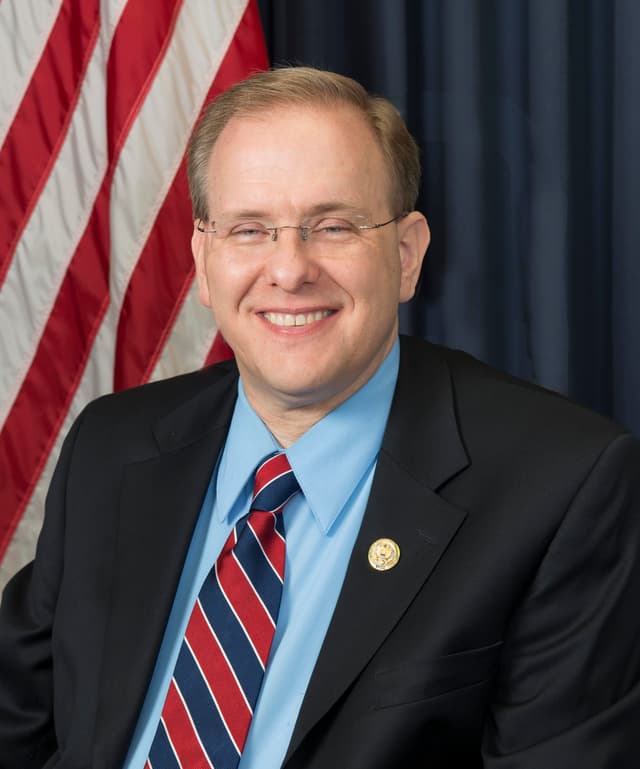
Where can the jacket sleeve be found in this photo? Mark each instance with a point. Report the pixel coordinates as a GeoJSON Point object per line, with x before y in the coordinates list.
{"type": "Point", "coordinates": [568, 691]}
{"type": "Point", "coordinates": [27, 729]}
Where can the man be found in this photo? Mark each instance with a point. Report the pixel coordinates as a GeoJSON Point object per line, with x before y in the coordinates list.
{"type": "Point", "coordinates": [462, 576]}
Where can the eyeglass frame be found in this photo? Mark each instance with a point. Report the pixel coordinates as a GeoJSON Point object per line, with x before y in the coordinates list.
{"type": "Point", "coordinates": [305, 230]}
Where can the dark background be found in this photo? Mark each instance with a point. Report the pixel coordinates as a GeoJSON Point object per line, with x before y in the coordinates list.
{"type": "Point", "coordinates": [528, 117]}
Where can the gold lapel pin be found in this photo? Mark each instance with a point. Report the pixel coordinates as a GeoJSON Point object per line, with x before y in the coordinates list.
{"type": "Point", "coordinates": [384, 554]}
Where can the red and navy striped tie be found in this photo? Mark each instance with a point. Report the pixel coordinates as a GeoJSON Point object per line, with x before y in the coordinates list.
{"type": "Point", "coordinates": [215, 685]}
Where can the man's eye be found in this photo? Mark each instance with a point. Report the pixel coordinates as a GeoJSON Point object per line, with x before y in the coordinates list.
{"type": "Point", "coordinates": [248, 231]}
{"type": "Point", "coordinates": [334, 227]}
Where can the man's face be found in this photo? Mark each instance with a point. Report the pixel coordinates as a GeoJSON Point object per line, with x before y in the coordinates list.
{"type": "Point", "coordinates": [281, 167]}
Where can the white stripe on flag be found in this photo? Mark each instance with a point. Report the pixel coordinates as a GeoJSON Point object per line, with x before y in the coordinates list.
{"type": "Point", "coordinates": [24, 30]}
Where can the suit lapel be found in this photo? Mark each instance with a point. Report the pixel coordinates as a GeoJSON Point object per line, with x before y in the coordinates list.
{"type": "Point", "coordinates": [161, 498]}
{"type": "Point", "coordinates": [421, 450]}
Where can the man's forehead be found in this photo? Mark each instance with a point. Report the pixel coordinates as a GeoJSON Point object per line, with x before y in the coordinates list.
{"type": "Point", "coordinates": [299, 114]}
{"type": "Point", "coordinates": [334, 144]}
{"type": "Point", "coordinates": [276, 129]}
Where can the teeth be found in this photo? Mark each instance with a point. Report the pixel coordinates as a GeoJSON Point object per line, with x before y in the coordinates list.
{"type": "Point", "coordinates": [301, 319]}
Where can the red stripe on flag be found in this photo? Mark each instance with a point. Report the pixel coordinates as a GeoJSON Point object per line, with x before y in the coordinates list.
{"type": "Point", "coordinates": [164, 272]}
{"type": "Point", "coordinates": [129, 76]}
{"type": "Point", "coordinates": [42, 119]}
{"type": "Point", "coordinates": [247, 606]}
{"type": "Point", "coordinates": [233, 707]}
{"type": "Point", "coordinates": [181, 731]}
{"type": "Point", "coordinates": [61, 355]}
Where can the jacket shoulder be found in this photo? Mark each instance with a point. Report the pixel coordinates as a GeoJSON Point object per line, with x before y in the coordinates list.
{"type": "Point", "coordinates": [154, 399]}
{"type": "Point", "coordinates": [489, 401]}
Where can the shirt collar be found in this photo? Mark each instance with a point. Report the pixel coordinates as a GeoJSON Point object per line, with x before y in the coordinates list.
{"type": "Point", "coordinates": [329, 460]}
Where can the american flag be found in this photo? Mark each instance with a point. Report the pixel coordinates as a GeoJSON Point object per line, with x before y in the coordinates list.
{"type": "Point", "coordinates": [98, 99]}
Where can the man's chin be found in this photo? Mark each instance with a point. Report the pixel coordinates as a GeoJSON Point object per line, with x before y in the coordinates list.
{"type": "Point", "coordinates": [294, 392]}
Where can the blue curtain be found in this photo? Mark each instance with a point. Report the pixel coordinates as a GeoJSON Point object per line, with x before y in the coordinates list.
{"type": "Point", "coordinates": [528, 116]}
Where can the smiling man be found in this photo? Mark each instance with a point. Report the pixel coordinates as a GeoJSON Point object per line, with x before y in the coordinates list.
{"type": "Point", "coordinates": [311, 314]}
{"type": "Point", "coordinates": [342, 549]}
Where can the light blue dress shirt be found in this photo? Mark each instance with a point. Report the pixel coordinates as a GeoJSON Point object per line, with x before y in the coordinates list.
{"type": "Point", "coordinates": [334, 463]}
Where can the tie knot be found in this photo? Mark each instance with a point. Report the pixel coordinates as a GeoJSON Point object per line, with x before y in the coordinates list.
{"type": "Point", "coordinates": [274, 485]}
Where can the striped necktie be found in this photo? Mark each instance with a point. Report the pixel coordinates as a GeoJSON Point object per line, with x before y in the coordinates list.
{"type": "Point", "coordinates": [215, 685]}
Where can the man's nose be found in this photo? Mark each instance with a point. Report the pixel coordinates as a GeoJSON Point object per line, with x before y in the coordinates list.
{"type": "Point", "coordinates": [290, 262]}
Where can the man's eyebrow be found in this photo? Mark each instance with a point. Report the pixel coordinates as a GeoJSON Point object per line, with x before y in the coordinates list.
{"type": "Point", "coordinates": [248, 213]}
{"type": "Point", "coordinates": [335, 206]}
{"type": "Point", "coordinates": [328, 207]}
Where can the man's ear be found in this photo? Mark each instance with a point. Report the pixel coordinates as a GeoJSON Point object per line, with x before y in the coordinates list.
{"type": "Point", "coordinates": [198, 242]}
{"type": "Point", "coordinates": [413, 241]}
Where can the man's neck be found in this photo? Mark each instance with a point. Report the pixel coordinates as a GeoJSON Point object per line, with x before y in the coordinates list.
{"type": "Point", "coordinates": [289, 419]}
{"type": "Point", "coordinates": [288, 416]}
{"type": "Point", "coordinates": [288, 425]}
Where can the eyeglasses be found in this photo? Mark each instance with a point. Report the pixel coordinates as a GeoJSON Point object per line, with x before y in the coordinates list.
{"type": "Point", "coordinates": [336, 230]}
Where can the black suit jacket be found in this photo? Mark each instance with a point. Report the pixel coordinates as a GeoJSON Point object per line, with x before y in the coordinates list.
{"type": "Point", "coordinates": [508, 635]}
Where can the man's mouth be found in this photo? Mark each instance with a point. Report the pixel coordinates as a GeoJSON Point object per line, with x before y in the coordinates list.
{"type": "Point", "coordinates": [297, 319]}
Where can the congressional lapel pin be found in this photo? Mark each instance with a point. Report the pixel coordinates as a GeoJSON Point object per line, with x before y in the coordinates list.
{"type": "Point", "coordinates": [384, 554]}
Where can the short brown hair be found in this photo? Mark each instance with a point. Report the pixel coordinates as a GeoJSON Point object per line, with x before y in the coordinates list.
{"type": "Point", "coordinates": [306, 86]}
